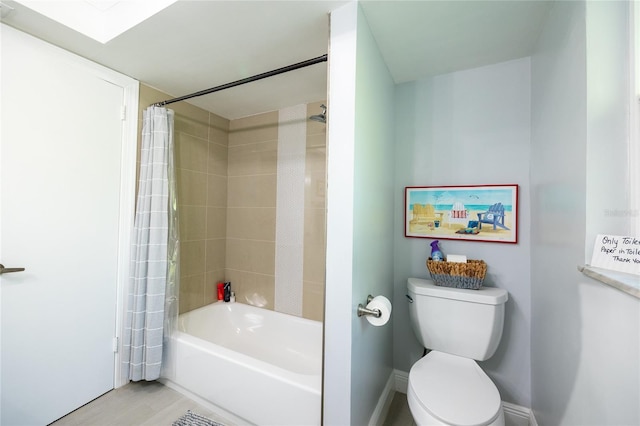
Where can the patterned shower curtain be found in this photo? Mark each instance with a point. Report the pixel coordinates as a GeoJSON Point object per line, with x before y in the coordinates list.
{"type": "Point", "coordinates": [152, 285]}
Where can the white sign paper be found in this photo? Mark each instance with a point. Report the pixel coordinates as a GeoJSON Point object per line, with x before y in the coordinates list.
{"type": "Point", "coordinates": [617, 253]}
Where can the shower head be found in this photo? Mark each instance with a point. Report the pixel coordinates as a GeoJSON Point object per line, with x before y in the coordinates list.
{"type": "Point", "coordinates": [322, 118]}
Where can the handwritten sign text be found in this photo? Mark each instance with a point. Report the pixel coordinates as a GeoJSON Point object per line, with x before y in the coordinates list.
{"type": "Point", "coordinates": [618, 253]}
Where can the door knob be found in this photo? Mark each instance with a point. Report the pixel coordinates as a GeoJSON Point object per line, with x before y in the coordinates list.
{"type": "Point", "coordinates": [4, 270]}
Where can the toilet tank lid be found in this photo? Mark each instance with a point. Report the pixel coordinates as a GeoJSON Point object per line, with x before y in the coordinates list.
{"type": "Point", "coordinates": [484, 295]}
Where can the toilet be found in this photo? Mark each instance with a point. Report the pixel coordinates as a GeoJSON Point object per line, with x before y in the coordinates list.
{"type": "Point", "coordinates": [460, 327]}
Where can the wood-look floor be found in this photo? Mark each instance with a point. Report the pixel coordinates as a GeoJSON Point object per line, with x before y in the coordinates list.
{"type": "Point", "coordinates": [399, 414]}
{"type": "Point", "coordinates": [137, 404]}
{"type": "Point", "coordinates": [153, 404]}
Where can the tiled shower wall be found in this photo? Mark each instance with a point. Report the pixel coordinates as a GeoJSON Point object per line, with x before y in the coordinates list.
{"type": "Point", "coordinates": [201, 140]}
{"type": "Point", "coordinates": [251, 213]}
{"type": "Point", "coordinates": [314, 217]}
{"type": "Point", "coordinates": [227, 179]}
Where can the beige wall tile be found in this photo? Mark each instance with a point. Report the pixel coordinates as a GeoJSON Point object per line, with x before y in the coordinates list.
{"type": "Point", "coordinates": [252, 191]}
{"type": "Point", "coordinates": [316, 158]}
{"type": "Point", "coordinates": [216, 191]}
{"type": "Point", "coordinates": [216, 254]}
{"type": "Point", "coordinates": [192, 222]}
{"type": "Point", "coordinates": [252, 223]}
{"type": "Point", "coordinates": [315, 172]}
{"type": "Point", "coordinates": [216, 222]}
{"type": "Point", "coordinates": [191, 187]}
{"type": "Point", "coordinates": [191, 293]}
{"type": "Point", "coordinates": [315, 190]}
{"type": "Point", "coordinates": [191, 126]}
{"type": "Point", "coordinates": [190, 119]}
{"type": "Point", "coordinates": [256, 128]}
{"type": "Point", "coordinates": [191, 152]}
{"type": "Point", "coordinates": [217, 159]}
{"type": "Point", "coordinates": [251, 256]}
{"type": "Point", "coordinates": [313, 300]}
{"type": "Point", "coordinates": [218, 130]}
{"type": "Point", "coordinates": [255, 159]}
{"type": "Point", "coordinates": [191, 111]}
{"type": "Point", "coordinates": [252, 288]}
{"type": "Point", "coordinates": [314, 263]}
{"type": "Point", "coordinates": [192, 258]}
{"type": "Point", "coordinates": [314, 226]}
{"type": "Point", "coordinates": [315, 229]}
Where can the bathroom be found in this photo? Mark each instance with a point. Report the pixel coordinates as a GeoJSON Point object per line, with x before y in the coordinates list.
{"type": "Point", "coordinates": [523, 121]}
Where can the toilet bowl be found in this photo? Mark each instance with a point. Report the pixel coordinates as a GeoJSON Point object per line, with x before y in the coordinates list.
{"type": "Point", "coordinates": [447, 389]}
{"type": "Point", "coordinates": [459, 326]}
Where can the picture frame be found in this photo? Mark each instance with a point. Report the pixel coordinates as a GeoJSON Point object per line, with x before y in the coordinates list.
{"type": "Point", "coordinates": [487, 213]}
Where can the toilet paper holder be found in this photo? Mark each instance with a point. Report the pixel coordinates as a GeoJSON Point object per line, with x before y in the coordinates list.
{"type": "Point", "coordinates": [365, 311]}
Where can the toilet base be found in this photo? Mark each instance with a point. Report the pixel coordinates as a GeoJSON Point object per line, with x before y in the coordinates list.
{"type": "Point", "coordinates": [423, 418]}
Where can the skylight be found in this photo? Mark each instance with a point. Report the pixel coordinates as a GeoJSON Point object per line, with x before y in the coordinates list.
{"type": "Point", "coordinates": [102, 20]}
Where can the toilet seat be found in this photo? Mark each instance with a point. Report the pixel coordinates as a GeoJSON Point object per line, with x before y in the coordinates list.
{"type": "Point", "coordinates": [454, 390]}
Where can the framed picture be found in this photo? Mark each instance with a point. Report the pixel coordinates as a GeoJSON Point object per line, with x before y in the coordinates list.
{"type": "Point", "coordinates": [468, 212]}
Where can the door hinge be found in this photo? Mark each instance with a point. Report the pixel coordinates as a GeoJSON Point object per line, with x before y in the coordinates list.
{"type": "Point", "coordinates": [123, 112]}
{"type": "Point", "coordinates": [115, 344]}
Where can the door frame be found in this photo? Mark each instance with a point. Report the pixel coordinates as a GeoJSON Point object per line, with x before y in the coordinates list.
{"type": "Point", "coordinates": [128, 175]}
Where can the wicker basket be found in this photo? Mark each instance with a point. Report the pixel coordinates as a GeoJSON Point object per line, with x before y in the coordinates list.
{"type": "Point", "coordinates": [468, 275]}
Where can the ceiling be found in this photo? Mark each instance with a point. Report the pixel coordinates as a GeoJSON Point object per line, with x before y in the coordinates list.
{"type": "Point", "coordinates": [194, 45]}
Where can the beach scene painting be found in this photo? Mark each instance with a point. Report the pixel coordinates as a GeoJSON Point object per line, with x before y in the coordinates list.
{"type": "Point", "coordinates": [470, 212]}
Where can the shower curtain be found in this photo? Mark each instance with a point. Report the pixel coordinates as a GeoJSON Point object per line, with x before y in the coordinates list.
{"type": "Point", "coordinates": [152, 296]}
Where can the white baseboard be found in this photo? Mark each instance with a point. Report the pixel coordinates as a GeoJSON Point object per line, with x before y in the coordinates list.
{"type": "Point", "coordinates": [514, 415]}
{"type": "Point", "coordinates": [384, 402]}
{"type": "Point", "coordinates": [401, 381]}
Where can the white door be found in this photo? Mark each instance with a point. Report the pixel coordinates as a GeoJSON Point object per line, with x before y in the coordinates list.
{"type": "Point", "coordinates": [60, 176]}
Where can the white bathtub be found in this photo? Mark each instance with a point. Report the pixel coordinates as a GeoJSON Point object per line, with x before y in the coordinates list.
{"type": "Point", "coordinates": [262, 366]}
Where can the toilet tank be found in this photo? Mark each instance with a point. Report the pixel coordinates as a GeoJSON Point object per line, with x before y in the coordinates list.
{"type": "Point", "coordinates": [461, 322]}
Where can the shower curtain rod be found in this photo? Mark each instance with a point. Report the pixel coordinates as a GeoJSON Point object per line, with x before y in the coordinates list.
{"type": "Point", "coordinates": [288, 68]}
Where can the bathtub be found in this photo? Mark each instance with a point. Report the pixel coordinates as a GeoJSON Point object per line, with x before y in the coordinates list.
{"type": "Point", "coordinates": [262, 366]}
